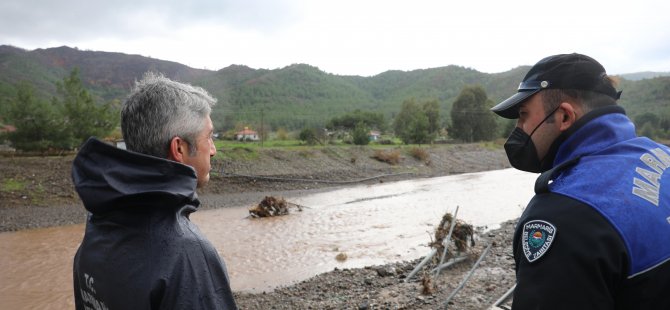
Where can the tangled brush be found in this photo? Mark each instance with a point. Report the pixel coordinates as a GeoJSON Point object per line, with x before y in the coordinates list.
{"type": "Point", "coordinates": [272, 206]}
{"type": "Point", "coordinates": [460, 236]}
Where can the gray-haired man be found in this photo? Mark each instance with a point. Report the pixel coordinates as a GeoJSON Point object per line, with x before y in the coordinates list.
{"type": "Point", "coordinates": [140, 250]}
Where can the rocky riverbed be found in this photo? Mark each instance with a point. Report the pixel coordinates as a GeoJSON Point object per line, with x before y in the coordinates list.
{"type": "Point", "coordinates": [387, 286]}
{"type": "Point", "coordinates": [37, 192]}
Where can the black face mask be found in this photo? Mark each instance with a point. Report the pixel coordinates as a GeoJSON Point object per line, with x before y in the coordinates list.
{"type": "Point", "coordinates": [521, 151]}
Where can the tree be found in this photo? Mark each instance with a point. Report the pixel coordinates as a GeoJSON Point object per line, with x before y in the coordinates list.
{"type": "Point", "coordinates": [432, 110]}
{"type": "Point", "coordinates": [507, 126]}
{"type": "Point", "coordinates": [419, 131]}
{"type": "Point", "coordinates": [282, 134]}
{"type": "Point", "coordinates": [647, 118]}
{"type": "Point", "coordinates": [411, 124]}
{"type": "Point", "coordinates": [648, 130]}
{"type": "Point", "coordinates": [308, 135]}
{"type": "Point", "coordinates": [664, 123]}
{"type": "Point", "coordinates": [360, 134]}
{"type": "Point", "coordinates": [471, 119]}
{"type": "Point", "coordinates": [66, 122]}
{"type": "Point", "coordinates": [664, 127]}
{"type": "Point", "coordinates": [83, 117]}
{"type": "Point", "coordinates": [350, 120]}
{"type": "Point", "coordinates": [38, 125]}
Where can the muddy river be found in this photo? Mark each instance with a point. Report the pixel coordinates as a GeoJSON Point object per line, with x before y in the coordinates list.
{"type": "Point", "coordinates": [370, 224]}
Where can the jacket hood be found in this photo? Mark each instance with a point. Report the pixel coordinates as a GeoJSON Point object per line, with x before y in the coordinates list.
{"type": "Point", "coordinates": [108, 178]}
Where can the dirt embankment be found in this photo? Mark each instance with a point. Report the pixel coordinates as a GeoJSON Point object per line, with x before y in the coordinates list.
{"type": "Point", "coordinates": [38, 191]}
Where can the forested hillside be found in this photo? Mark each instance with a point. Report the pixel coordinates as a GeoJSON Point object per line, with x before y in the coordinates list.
{"type": "Point", "coordinates": [292, 97]}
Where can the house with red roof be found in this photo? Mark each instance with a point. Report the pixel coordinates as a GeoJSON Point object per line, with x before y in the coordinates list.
{"type": "Point", "coordinates": [247, 135]}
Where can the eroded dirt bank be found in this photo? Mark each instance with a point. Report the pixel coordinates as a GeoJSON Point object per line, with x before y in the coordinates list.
{"type": "Point", "coordinates": [38, 192]}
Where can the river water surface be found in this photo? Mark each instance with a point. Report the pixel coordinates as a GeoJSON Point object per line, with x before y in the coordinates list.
{"type": "Point", "coordinates": [370, 224]}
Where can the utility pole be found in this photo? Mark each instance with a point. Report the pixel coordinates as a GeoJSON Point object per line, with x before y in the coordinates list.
{"type": "Point", "coordinates": [262, 128]}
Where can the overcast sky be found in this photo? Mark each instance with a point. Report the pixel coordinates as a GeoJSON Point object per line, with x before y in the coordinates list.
{"type": "Point", "coordinates": [350, 37]}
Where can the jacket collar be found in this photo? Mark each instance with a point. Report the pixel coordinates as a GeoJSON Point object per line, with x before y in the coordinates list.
{"type": "Point", "coordinates": [594, 132]}
{"type": "Point", "coordinates": [107, 178]}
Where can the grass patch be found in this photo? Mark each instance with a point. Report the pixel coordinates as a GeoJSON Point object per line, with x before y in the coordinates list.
{"type": "Point", "coordinates": [34, 194]}
{"type": "Point", "coordinates": [12, 185]}
{"type": "Point", "coordinates": [228, 144]}
{"type": "Point", "coordinates": [38, 195]}
{"type": "Point", "coordinates": [237, 153]}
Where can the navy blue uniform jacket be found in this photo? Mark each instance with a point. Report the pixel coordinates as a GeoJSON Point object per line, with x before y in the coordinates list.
{"type": "Point", "coordinates": [597, 233]}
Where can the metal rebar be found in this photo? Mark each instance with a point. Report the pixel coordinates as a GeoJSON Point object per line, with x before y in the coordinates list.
{"type": "Point", "coordinates": [445, 242]}
{"type": "Point", "coordinates": [503, 298]}
{"type": "Point", "coordinates": [452, 261]}
{"type": "Point", "coordinates": [421, 264]}
{"type": "Point", "coordinates": [467, 277]}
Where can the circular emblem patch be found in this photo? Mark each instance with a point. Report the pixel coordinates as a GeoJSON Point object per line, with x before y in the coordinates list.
{"type": "Point", "coordinates": [537, 237]}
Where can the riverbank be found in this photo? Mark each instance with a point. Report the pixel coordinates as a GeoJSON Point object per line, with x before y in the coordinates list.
{"type": "Point", "coordinates": [38, 192]}
{"type": "Point", "coordinates": [387, 286]}
{"type": "Point", "coordinates": [47, 199]}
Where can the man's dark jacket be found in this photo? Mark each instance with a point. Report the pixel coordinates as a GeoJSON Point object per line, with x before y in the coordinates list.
{"type": "Point", "coordinates": [598, 235]}
{"type": "Point", "coordinates": [140, 250]}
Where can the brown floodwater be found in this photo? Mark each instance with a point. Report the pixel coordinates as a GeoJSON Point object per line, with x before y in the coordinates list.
{"type": "Point", "coordinates": [370, 224]}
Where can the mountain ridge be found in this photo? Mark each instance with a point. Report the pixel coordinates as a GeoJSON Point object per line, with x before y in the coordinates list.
{"type": "Point", "coordinates": [293, 96]}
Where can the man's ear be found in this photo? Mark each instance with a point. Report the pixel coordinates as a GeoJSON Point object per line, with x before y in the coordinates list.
{"type": "Point", "coordinates": [568, 117]}
{"type": "Point", "coordinates": [178, 147]}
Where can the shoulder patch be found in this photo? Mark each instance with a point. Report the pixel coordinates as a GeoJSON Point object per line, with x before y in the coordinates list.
{"type": "Point", "coordinates": [537, 237]}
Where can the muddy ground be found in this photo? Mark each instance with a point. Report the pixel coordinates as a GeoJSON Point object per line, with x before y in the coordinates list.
{"type": "Point", "coordinates": [37, 192]}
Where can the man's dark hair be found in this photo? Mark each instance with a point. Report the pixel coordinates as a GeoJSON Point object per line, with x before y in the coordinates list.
{"type": "Point", "coordinates": [589, 100]}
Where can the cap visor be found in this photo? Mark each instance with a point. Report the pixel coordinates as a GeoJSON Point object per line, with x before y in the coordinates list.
{"type": "Point", "coordinates": [510, 107]}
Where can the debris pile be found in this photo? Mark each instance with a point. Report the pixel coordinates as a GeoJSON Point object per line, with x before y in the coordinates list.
{"type": "Point", "coordinates": [462, 232]}
{"type": "Point", "coordinates": [427, 285]}
{"type": "Point", "coordinates": [272, 206]}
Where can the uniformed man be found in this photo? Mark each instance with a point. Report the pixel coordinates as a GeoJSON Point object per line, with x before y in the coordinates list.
{"type": "Point", "coordinates": [596, 235]}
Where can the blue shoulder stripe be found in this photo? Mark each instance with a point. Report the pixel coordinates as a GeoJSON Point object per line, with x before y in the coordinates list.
{"type": "Point", "coordinates": [635, 199]}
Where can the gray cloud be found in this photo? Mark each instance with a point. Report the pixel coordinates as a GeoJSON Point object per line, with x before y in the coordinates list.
{"type": "Point", "coordinates": [71, 20]}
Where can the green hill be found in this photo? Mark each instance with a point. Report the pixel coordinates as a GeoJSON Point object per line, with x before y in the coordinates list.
{"type": "Point", "coordinates": [646, 96]}
{"type": "Point", "coordinates": [107, 75]}
{"type": "Point", "coordinates": [644, 75]}
{"type": "Point", "coordinates": [292, 97]}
